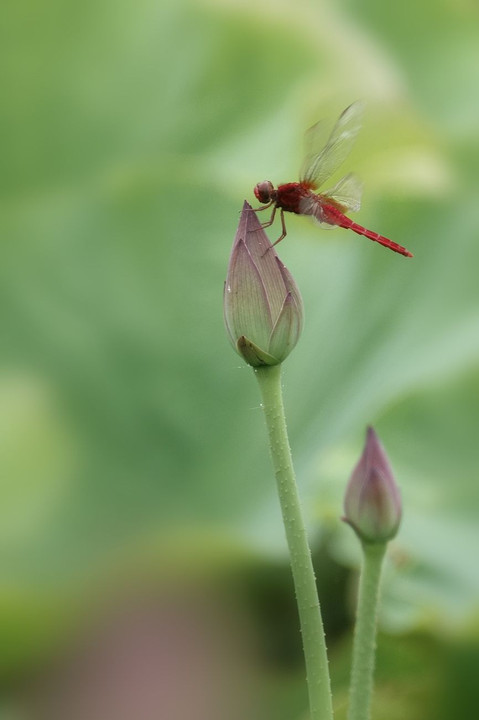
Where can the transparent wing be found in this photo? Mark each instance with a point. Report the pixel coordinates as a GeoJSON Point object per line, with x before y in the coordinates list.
{"type": "Point", "coordinates": [347, 192]}
{"type": "Point", "coordinates": [320, 164]}
{"type": "Point", "coordinates": [312, 205]}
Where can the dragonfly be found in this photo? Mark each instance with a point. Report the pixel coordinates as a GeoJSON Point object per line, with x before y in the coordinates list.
{"type": "Point", "coordinates": [321, 161]}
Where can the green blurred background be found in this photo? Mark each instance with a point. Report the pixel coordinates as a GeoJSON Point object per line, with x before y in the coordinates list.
{"type": "Point", "coordinates": [143, 564]}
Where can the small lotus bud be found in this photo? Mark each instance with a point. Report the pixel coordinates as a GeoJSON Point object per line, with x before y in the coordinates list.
{"type": "Point", "coordinates": [263, 309]}
{"type": "Point", "coordinates": [372, 504]}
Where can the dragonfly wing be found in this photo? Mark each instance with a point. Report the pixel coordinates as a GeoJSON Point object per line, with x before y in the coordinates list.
{"type": "Point", "coordinates": [315, 140]}
{"type": "Point", "coordinates": [347, 192]}
{"type": "Point", "coordinates": [312, 206]}
{"type": "Point", "coordinates": [319, 165]}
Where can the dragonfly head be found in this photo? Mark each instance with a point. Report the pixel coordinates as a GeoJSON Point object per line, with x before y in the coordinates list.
{"type": "Point", "coordinates": [265, 192]}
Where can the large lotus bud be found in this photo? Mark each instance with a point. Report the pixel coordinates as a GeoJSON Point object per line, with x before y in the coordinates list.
{"type": "Point", "coordinates": [263, 309]}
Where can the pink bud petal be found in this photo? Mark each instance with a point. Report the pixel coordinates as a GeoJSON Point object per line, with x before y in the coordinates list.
{"type": "Point", "coordinates": [372, 504]}
{"type": "Point", "coordinates": [263, 310]}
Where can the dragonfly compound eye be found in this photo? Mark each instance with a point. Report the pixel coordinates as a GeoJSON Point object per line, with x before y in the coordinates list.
{"type": "Point", "coordinates": [263, 191]}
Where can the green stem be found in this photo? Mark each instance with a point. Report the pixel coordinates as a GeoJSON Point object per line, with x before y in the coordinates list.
{"type": "Point", "coordinates": [365, 633]}
{"type": "Point", "coordinates": [314, 645]}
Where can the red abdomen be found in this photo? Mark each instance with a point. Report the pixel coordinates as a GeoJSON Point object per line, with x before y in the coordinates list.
{"type": "Point", "coordinates": [289, 195]}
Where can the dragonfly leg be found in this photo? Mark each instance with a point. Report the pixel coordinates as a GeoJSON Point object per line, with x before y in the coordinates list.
{"type": "Point", "coordinates": [271, 220]}
{"type": "Point", "coordinates": [283, 225]}
{"type": "Point", "coordinates": [263, 207]}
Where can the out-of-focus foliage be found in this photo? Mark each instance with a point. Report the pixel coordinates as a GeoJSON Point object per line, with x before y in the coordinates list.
{"type": "Point", "coordinates": [130, 134]}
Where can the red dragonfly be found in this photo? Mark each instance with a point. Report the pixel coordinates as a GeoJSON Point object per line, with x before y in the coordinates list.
{"type": "Point", "coordinates": [321, 161]}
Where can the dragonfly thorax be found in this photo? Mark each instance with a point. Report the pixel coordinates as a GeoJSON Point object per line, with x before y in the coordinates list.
{"type": "Point", "coordinates": [265, 192]}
